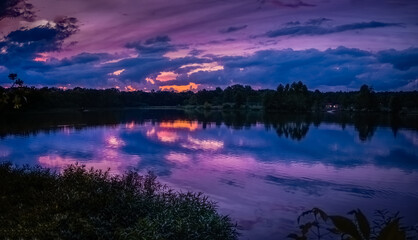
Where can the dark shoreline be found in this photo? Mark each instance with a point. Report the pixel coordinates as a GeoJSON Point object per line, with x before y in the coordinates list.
{"type": "Point", "coordinates": [23, 123]}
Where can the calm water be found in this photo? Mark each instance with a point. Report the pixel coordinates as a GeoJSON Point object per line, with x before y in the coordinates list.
{"type": "Point", "coordinates": [263, 170]}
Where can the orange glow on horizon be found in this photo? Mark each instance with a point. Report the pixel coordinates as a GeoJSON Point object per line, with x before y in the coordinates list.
{"type": "Point", "coordinates": [118, 72]}
{"type": "Point", "coordinates": [129, 88]}
{"type": "Point", "coordinates": [42, 57]}
{"type": "Point", "coordinates": [166, 76]}
{"type": "Point", "coordinates": [180, 88]}
{"type": "Point", "coordinates": [191, 125]}
{"type": "Point", "coordinates": [150, 80]}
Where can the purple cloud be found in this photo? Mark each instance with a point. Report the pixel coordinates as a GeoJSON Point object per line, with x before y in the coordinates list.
{"type": "Point", "coordinates": [314, 29]}
{"type": "Point", "coordinates": [233, 29]}
{"type": "Point", "coordinates": [317, 21]}
{"type": "Point", "coordinates": [289, 3]}
{"type": "Point", "coordinates": [105, 43]}
{"type": "Point", "coordinates": [17, 8]}
{"type": "Point", "coordinates": [402, 60]}
{"type": "Point", "coordinates": [153, 46]}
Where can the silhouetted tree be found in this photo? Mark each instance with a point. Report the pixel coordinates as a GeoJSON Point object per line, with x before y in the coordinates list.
{"type": "Point", "coordinates": [366, 99]}
{"type": "Point", "coordinates": [293, 97]}
{"type": "Point", "coordinates": [366, 126]}
{"type": "Point", "coordinates": [395, 104]}
{"type": "Point", "coordinates": [239, 99]}
{"type": "Point", "coordinates": [16, 95]}
{"type": "Point", "coordinates": [15, 80]}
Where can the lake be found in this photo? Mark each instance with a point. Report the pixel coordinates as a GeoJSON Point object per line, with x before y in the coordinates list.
{"type": "Point", "coordinates": [263, 170]}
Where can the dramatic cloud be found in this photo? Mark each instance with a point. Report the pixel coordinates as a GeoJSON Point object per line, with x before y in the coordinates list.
{"type": "Point", "coordinates": [289, 3]}
{"type": "Point", "coordinates": [402, 60]}
{"type": "Point", "coordinates": [317, 21]}
{"type": "Point", "coordinates": [85, 58]}
{"type": "Point", "coordinates": [153, 46]}
{"type": "Point", "coordinates": [340, 68]}
{"type": "Point", "coordinates": [16, 8]}
{"type": "Point", "coordinates": [314, 29]}
{"type": "Point", "coordinates": [25, 48]}
{"type": "Point", "coordinates": [292, 23]}
{"type": "Point", "coordinates": [187, 44]}
{"type": "Point", "coordinates": [196, 52]}
{"type": "Point", "coordinates": [233, 29]}
{"type": "Point", "coordinates": [333, 69]}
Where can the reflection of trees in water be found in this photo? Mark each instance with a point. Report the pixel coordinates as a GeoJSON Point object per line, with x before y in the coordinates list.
{"type": "Point", "coordinates": [365, 132]}
{"type": "Point", "coordinates": [290, 126]}
{"type": "Point", "coordinates": [293, 126]}
{"type": "Point", "coordinates": [26, 124]}
{"type": "Point", "coordinates": [294, 130]}
{"type": "Point", "coordinates": [232, 118]}
{"type": "Point", "coordinates": [366, 126]}
{"type": "Point", "coordinates": [235, 119]}
{"type": "Point", "coordinates": [395, 123]}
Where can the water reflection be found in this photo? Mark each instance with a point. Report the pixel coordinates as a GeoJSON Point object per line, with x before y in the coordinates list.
{"type": "Point", "coordinates": [290, 126]}
{"type": "Point", "coordinates": [190, 125]}
{"type": "Point", "coordinates": [262, 169]}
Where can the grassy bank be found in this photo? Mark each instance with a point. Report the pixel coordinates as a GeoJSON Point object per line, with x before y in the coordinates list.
{"type": "Point", "coordinates": [36, 203]}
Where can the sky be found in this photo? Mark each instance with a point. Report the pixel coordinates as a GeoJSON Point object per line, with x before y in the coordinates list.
{"type": "Point", "coordinates": [180, 45]}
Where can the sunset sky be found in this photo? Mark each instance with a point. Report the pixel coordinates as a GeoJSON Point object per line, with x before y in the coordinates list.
{"type": "Point", "coordinates": [194, 44]}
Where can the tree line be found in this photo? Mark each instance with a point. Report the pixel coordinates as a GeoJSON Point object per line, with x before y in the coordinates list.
{"type": "Point", "coordinates": [293, 97]}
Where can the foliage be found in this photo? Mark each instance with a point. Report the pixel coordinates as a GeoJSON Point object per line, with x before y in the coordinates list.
{"type": "Point", "coordinates": [366, 99]}
{"type": "Point", "coordinates": [15, 80]}
{"type": "Point", "coordinates": [294, 97]}
{"type": "Point", "coordinates": [320, 225]}
{"type": "Point", "coordinates": [14, 98]}
{"type": "Point", "coordinates": [395, 104]}
{"type": "Point", "coordinates": [36, 203]}
{"type": "Point", "coordinates": [291, 98]}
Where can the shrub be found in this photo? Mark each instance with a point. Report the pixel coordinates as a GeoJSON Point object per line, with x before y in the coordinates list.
{"type": "Point", "coordinates": [85, 203]}
{"type": "Point", "coordinates": [319, 225]}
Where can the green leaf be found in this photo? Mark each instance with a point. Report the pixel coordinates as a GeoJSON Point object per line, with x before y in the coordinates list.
{"type": "Point", "coordinates": [306, 227]}
{"type": "Point", "coordinates": [345, 226]}
{"type": "Point", "coordinates": [303, 214]}
{"type": "Point", "coordinates": [392, 231]}
{"type": "Point", "coordinates": [363, 224]}
{"type": "Point", "coordinates": [321, 213]}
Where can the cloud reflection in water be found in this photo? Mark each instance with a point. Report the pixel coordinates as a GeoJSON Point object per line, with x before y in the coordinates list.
{"type": "Point", "coordinates": [261, 179]}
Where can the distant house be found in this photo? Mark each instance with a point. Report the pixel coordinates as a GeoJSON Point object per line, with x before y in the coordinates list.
{"type": "Point", "coordinates": [332, 107]}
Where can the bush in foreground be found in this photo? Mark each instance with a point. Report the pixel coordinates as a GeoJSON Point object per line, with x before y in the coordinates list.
{"type": "Point", "coordinates": [36, 203]}
{"type": "Point", "coordinates": [319, 225]}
